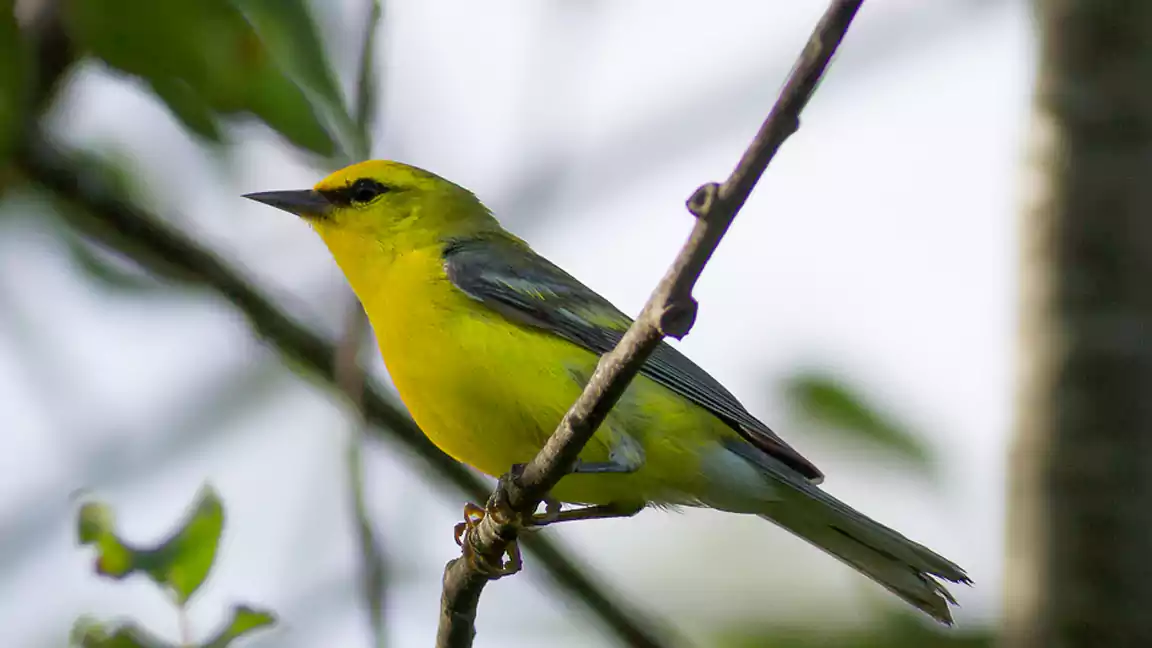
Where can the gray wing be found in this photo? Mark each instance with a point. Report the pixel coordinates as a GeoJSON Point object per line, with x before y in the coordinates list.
{"type": "Point", "coordinates": [508, 277]}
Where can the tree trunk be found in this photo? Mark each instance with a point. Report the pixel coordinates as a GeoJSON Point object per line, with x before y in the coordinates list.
{"type": "Point", "coordinates": [1080, 510]}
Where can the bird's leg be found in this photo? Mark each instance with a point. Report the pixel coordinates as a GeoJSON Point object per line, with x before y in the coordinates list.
{"type": "Point", "coordinates": [551, 513]}
{"type": "Point", "coordinates": [625, 456]}
{"type": "Point", "coordinates": [618, 510]}
{"type": "Point", "coordinates": [465, 538]}
{"type": "Point", "coordinates": [501, 512]}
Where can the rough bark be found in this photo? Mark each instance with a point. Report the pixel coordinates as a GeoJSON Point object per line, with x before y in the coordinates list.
{"type": "Point", "coordinates": [1080, 525]}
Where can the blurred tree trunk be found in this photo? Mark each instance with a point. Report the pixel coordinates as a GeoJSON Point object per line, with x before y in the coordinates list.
{"type": "Point", "coordinates": [1079, 565]}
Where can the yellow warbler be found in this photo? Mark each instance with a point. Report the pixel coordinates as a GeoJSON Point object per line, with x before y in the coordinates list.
{"type": "Point", "coordinates": [489, 343]}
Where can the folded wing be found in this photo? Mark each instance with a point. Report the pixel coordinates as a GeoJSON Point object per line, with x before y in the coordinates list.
{"type": "Point", "coordinates": [507, 276]}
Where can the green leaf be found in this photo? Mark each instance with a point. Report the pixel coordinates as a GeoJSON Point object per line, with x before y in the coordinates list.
{"type": "Point", "coordinates": [282, 105]}
{"type": "Point", "coordinates": [292, 38]}
{"type": "Point", "coordinates": [188, 106]}
{"type": "Point", "coordinates": [367, 93]}
{"type": "Point", "coordinates": [183, 561]}
{"type": "Point", "coordinates": [835, 406]}
{"type": "Point", "coordinates": [202, 58]}
{"type": "Point", "coordinates": [245, 620]}
{"type": "Point", "coordinates": [13, 80]}
{"type": "Point", "coordinates": [113, 558]}
{"type": "Point", "coordinates": [197, 42]}
{"type": "Point", "coordinates": [89, 633]}
{"type": "Point", "coordinates": [290, 34]}
{"type": "Point", "coordinates": [179, 564]}
{"type": "Point", "coordinates": [103, 266]}
{"type": "Point", "coordinates": [94, 522]}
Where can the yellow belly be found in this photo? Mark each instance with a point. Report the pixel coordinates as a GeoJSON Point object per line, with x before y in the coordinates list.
{"type": "Point", "coordinates": [489, 392]}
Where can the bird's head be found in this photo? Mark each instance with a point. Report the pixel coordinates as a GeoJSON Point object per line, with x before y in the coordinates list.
{"type": "Point", "coordinates": [383, 205]}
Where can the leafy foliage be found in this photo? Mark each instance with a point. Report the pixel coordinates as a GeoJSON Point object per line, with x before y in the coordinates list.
{"type": "Point", "coordinates": [203, 59]}
{"type": "Point", "coordinates": [179, 565]}
{"type": "Point", "coordinates": [367, 84]}
{"type": "Point", "coordinates": [243, 621]}
{"type": "Point", "coordinates": [293, 41]}
{"type": "Point", "coordinates": [89, 633]}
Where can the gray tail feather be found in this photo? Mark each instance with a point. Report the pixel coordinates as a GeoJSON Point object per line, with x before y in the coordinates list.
{"type": "Point", "coordinates": [907, 569]}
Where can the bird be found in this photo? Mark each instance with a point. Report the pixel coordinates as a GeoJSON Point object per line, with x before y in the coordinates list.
{"type": "Point", "coordinates": [488, 344]}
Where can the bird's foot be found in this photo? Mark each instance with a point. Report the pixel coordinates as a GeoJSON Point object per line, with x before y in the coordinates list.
{"type": "Point", "coordinates": [472, 516]}
{"type": "Point", "coordinates": [553, 514]}
{"type": "Point", "coordinates": [467, 532]}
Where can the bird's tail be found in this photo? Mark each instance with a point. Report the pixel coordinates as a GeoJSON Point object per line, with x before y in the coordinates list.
{"type": "Point", "coordinates": [907, 569]}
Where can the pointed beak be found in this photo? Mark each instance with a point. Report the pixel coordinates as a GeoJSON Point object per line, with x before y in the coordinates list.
{"type": "Point", "coordinates": [305, 202]}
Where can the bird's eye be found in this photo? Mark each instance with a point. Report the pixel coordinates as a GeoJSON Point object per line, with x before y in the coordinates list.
{"type": "Point", "coordinates": [365, 190]}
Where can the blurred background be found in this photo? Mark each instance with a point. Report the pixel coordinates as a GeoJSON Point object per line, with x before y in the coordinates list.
{"type": "Point", "coordinates": [158, 332]}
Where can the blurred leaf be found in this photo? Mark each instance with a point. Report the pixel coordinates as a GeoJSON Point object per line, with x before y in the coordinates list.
{"type": "Point", "coordinates": [367, 93]}
{"type": "Point", "coordinates": [113, 558]}
{"type": "Point", "coordinates": [188, 106]}
{"type": "Point", "coordinates": [288, 31]}
{"type": "Point", "coordinates": [89, 633]}
{"type": "Point", "coordinates": [281, 105]}
{"type": "Point", "coordinates": [245, 620]}
{"type": "Point", "coordinates": [13, 79]}
{"type": "Point", "coordinates": [100, 265]}
{"type": "Point", "coordinates": [892, 630]}
{"type": "Point", "coordinates": [199, 42]}
{"type": "Point", "coordinates": [112, 167]}
{"type": "Point", "coordinates": [94, 521]}
{"type": "Point", "coordinates": [199, 56]}
{"type": "Point", "coordinates": [839, 408]}
{"type": "Point", "coordinates": [180, 563]}
{"type": "Point", "coordinates": [183, 561]}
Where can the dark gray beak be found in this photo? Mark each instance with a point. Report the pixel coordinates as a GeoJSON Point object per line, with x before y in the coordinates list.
{"type": "Point", "coordinates": [304, 202]}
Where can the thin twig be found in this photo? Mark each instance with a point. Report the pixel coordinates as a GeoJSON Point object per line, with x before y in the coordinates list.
{"type": "Point", "coordinates": [350, 378]}
{"type": "Point", "coordinates": [670, 311]}
{"type": "Point", "coordinates": [184, 626]}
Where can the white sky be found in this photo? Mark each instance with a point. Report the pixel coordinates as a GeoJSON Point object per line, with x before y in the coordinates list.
{"type": "Point", "coordinates": [881, 246]}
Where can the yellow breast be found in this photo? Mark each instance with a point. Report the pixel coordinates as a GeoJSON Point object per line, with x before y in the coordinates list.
{"type": "Point", "coordinates": [486, 391]}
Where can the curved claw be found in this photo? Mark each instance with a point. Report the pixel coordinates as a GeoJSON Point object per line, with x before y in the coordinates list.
{"type": "Point", "coordinates": [473, 514]}
{"type": "Point", "coordinates": [551, 514]}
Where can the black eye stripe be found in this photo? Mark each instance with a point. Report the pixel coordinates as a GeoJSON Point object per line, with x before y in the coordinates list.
{"type": "Point", "coordinates": [358, 192]}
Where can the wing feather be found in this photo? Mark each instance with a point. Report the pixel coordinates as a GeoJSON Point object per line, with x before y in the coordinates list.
{"type": "Point", "coordinates": [508, 277]}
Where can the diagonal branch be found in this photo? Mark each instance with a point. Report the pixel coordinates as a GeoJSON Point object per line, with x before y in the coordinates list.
{"type": "Point", "coordinates": [670, 310]}
{"type": "Point", "coordinates": [350, 377]}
